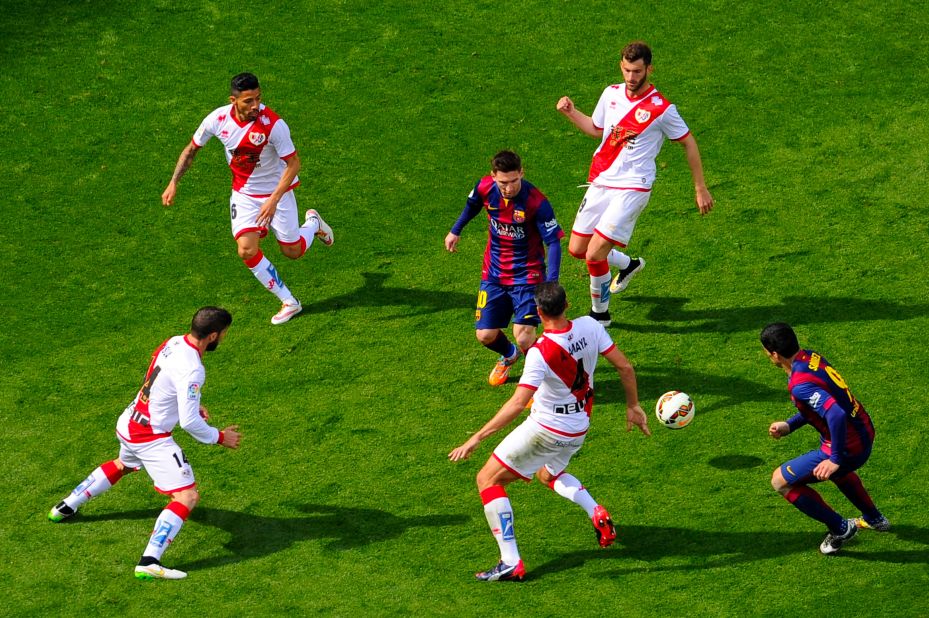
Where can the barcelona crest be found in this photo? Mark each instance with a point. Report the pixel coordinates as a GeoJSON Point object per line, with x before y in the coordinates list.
{"type": "Point", "coordinates": [519, 216]}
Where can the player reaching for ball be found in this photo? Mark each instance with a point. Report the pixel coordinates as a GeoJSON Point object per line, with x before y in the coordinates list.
{"type": "Point", "coordinates": [170, 394]}
{"type": "Point", "coordinates": [846, 438]}
{"type": "Point", "coordinates": [264, 166]}
{"type": "Point", "coordinates": [631, 121]}
{"type": "Point", "coordinates": [559, 373]}
{"type": "Point", "coordinates": [520, 221]}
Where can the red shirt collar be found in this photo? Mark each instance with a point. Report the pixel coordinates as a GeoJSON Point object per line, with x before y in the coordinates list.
{"type": "Point", "coordinates": [651, 89]}
{"type": "Point", "coordinates": [188, 342]}
{"type": "Point", "coordinates": [564, 330]}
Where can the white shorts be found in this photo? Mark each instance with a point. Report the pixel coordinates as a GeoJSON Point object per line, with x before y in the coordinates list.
{"type": "Point", "coordinates": [611, 213]}
{"type": "Point", "coordinates": [164, 461]}
{"type": "Point", "coordinates": [530, 446]}
{"type": "Point", "coordinates": [243, 210]}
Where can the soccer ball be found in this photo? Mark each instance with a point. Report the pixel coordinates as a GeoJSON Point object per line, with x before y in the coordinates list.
{"type": "Point", "coordinates": [675, 410]}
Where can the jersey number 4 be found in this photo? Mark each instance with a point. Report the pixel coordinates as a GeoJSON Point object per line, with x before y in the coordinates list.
{"type": "Point", "coordinates": [147, 385]}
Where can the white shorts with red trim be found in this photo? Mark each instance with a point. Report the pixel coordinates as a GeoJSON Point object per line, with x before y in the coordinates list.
{"type": "Point", "coordinates": [610, 213]}
{"type": "Point", "coordinates": [243, 210]}
{"type": "Point", "coordinates": [164, 461]}
{"type": "Point", "coordinates": [530, 446]}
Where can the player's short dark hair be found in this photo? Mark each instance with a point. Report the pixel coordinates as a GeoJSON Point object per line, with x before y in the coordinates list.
{"type": "Point", "coordinates": [780, 337]}
{"type": "Point", "coordinates": [243, 82]}
{"type": "Point", "coordinates": [637, 50]}
{"type": "Point", "coordinates": [506, 161]}
{"type": "Point", "coordinates": [551, 299]}
{"type": "Point", "coordinates": [209, 320]}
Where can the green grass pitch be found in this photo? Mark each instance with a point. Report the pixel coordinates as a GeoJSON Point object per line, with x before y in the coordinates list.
{"type": "Point", "coordinates": [811, 119]}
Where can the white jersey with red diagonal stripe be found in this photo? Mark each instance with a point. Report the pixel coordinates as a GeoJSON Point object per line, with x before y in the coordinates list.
{"type": "Point", "coordinates": [633, 133]}
{"type": "Point", "coordinates": [255, 150]}
{"type": "Point", "coordinates": [169, 395]}
{"type": "Point", "coordinates": [560, 369]}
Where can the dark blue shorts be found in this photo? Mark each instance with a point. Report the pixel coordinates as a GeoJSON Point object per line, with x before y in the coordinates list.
{"type": "Point", "coordinates": [496, 304]}
{"type": "Point", "coordinates": [799, 470]}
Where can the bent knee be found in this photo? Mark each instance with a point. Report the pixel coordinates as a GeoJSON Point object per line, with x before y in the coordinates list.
{"type": "Point", "coordinates": [247, 252]}
{"type": "Point", "coordinates": [778, 482]}
{"type": "Point", "coordinates": [486, 337]}
{"type": "Point", "coordinates": [293, 252]}
{"type": "Point", "coordinates": [188, 497]}
{"type": "Point", "coordinates": [545, 477]}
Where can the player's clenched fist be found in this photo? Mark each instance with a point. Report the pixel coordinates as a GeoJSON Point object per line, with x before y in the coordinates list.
{"type": "Point", "coordinates": [231, 437]}
{"type": "Point", "coordinates": [778, 430]}
{"type": "Point", "coordinates": [565, 105]}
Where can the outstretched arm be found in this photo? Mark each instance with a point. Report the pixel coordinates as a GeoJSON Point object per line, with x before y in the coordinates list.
{"type": "Point", "coordinates": [581, 120]}
{"type": "Point", "coordinates": [510, 410]}
{"type": "Point", "coordinates": [183, 164]}
{"type": "Point", "coordinates": [703, 197]}
{"type": "Point", "coordinates": [635, 415]}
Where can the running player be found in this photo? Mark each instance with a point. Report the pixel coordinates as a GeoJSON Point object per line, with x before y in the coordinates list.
{"type": "Point", "coordinates": [264, 166]}
{"type": "Point", "coordinates": [520, 220]}
{"type": "Point", "coordinates": [170, 394]}
{"type": "Point", "coordinates": [559, 373]}
{"type": "Point", "coordinates": [846, 438]}
{"type": "Point", "coordinates": [631, 121]}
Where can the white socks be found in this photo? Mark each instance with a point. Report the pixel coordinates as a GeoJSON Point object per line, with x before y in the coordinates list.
{"type": "Point", "coordinates": [618, 258]}
{"type": "Point", "coordinates": [267, 275]}
{"type": "Point", "coordinates": [567, 486]}
{"type": "Point", "coordinates": [167, 526]}
{"type": "Point", "coordinates": [499, 515]}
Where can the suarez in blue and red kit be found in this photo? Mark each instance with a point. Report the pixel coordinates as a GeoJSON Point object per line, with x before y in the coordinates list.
{"type": "Point", "coordinates": [824, 401]}
{"type": "Point", "coordinates": [522, 232]}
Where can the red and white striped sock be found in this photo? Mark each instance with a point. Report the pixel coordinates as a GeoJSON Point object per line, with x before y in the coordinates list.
{"type": "Point", "coordinates": [167, 526]}
{"type": "Point", "coordinates": [599, 284]}
{"type": "Point", "coordinates": [567, 486]}
{"type": "Point", "coordinates": [267, 275]}
{"type": "Point", "coordinates": [100, 480]}
{"type": "Point", "coordinates": [499, 516]}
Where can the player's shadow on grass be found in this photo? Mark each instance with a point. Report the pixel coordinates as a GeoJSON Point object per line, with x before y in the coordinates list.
{"type": "Point", "coordinates": [725, 391]}
{"type": "Point", "coordinates": [374, 294]}
{"type": "Point", "coordinates": [256, 536]}
{"type": "Point", "coordinates": [689, 550]}
{"type": "Point", "coordinates": [792, 309]}
{"type": "Point", "coordinates": [902, 532]}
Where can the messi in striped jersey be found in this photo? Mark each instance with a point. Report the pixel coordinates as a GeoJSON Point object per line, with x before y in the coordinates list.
{"type": "Point", "coordinates": [522, 231]}
{"type": "Point", "coordinates": [824, 401]}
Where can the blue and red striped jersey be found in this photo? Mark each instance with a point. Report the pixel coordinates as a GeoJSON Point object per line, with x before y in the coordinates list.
{"type": "Point", "coordinates": [821, 394]}
{"type": "Point", "coordinates": [518, 230]}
